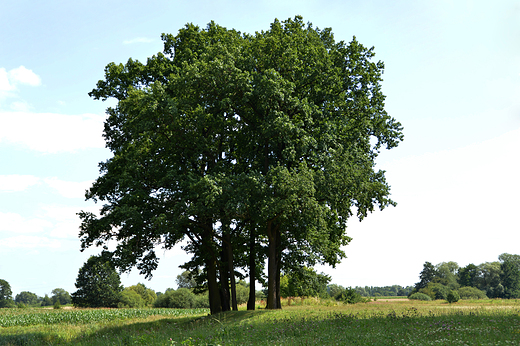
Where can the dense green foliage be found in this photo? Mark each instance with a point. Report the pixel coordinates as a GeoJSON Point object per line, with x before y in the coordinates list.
{"type": "Point", "coordinates": [273, 136]}
{"type": "Point", "coordinates": [471, 293]}
{"type": "Point", "coordinates": [98, 284]}
{"type": "Point", "coordinates": [27, 298]}
{"type": "Point", "coordinates": [304, 282]}
{"type": "Point", "coordinates": [6, 299]}
{"type": "Point", "coordinates": [499, 279]}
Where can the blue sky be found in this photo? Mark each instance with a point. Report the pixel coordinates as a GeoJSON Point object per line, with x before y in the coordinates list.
{"type": "Point", "coordinates": [452, 78]}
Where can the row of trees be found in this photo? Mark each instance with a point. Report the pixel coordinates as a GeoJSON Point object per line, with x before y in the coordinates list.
{"type": "Point", "coordinates": [499, 279]}
{"type": "Point", "coordinates": [254, 149]}
{"type": "Point", "coordinates": [26, 298]}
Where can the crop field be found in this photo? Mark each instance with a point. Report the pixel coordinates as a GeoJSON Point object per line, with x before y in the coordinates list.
{"type": "Point", "coordinates": [382, 322]}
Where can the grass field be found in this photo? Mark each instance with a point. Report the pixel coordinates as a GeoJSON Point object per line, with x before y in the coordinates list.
{"type": "Point", "coordinates": [485, 322]}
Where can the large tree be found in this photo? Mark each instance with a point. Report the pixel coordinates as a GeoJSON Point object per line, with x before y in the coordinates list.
{"type": "Point", "coordinates": [248, 146]}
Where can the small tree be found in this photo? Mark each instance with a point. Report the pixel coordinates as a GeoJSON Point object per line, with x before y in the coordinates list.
{"type": "Point", "coordinates": [98, 284]}
{"type": "Point", "coordinates": [6, 299]}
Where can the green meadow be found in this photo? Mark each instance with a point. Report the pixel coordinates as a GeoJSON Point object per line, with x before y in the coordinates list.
{"type": "Point", "coordinates": [307, 322]}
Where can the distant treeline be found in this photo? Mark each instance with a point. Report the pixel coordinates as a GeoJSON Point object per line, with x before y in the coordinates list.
{"type": "Point", "coordinates": [387, 291]}
{"type": "Point", "coordinates": [499, 279]}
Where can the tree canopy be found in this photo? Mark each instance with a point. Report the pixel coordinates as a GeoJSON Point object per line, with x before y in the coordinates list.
{"type": "Point", "coordinates": [6, 299]}
{"type": "Point", "coordinates": [250, 147]}
{"type": "Point", "coordinates": [98, 284]}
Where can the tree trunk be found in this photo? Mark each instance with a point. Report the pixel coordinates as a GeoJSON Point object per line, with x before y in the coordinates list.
{"type": "Point", "coordinates": [211, 269]}
{"type": "Point", "coordinates": [224, 278]}
{"type": "Point", "coordinates": [278, 259]}
{"type": "Point", "coordinates": [273, 267]}
{"type": "Point", "coordinates": [214, 294]}
{"type": "Point", "coordinates": [231, 271]}
{"type": "Point", "coordinates": [252, 269]}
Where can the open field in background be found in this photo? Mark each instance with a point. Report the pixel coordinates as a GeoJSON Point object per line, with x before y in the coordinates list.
{"type": "Point", "coordinates": [392, 322]}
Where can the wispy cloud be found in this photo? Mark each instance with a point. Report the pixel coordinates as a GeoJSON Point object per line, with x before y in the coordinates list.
{"type": "Point", "coordinates": [138, 40]}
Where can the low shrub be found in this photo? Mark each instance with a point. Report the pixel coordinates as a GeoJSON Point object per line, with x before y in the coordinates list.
{"type": "Point", "coordinates": [452, 297]}
{"type": "Point", "coordinates": [471, 293]}
{"type": "Point", "coordinates": [420, 296]}
{"type": "Point", "coordinates": [349, 296]}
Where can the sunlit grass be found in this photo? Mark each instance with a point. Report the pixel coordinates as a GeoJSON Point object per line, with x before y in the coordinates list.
{"type": "Point", "coordinates": [487, 322]}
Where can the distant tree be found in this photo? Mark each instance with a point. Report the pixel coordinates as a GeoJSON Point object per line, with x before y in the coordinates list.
{"type": "Point", "coordinates": [510, 279]}
{"type": "Point", "coordinates": [186, 280]}
{"type": "Point", "coordinates": [46, 301]}
{"type": "Point", "coordinates": [6, 299]}
{"type": "Point", "coordinates": [98, 284]}
{"type": "Point", "coordinates": [404, 291]}
{"type": "Point", "coordinates": [506, 257]}
{"type": "Point", "coordinates": [131, 299]}
{"type": "Point", "coordinates": [446, 273]}
{"type": "Point", "coordinates": [468, 275]}
{"type": "Point", "coordinates": [488, 279]}
{"type": "Point", "coordinates": [334, 289]}
{"type": "Point", "coordinates": [147, 295]}
{"type": "Point", "coordinates": [242, 292]}
{"type": "Point", "coordinates": [61, 295]}
{"type": "Point", "coordinates": [26, 298]}
{"type": "Point", "coordinates": [427, 274]}
{"type": "Point", "coordinates": [181, 298]}
{"type": "Point", "coordinates": [435, 290]}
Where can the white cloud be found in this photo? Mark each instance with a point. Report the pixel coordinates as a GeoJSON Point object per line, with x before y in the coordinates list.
{"type": "Point", "coordinates": [52, 133]}
{"type": "Point", "coordinates": [29, 242]}
{"type": "Point", "coordinates": [16, 76]}
{"type": "Point", "coordinates": [16, 223]}
{"type": "Point", "coordinates": [4, 81]}
{"type": "Point", "coordinates": [138, 40]}
{"type": "Point", "coordinates": [69, 189]}
{"type": "Point", "coordinates": [22, 75]}
{"type": "Point", "coordinates": [16, 183]}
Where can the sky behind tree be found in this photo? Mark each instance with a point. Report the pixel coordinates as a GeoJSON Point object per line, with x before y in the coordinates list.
{"type": "Point", "coordinates": [452, 78]}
